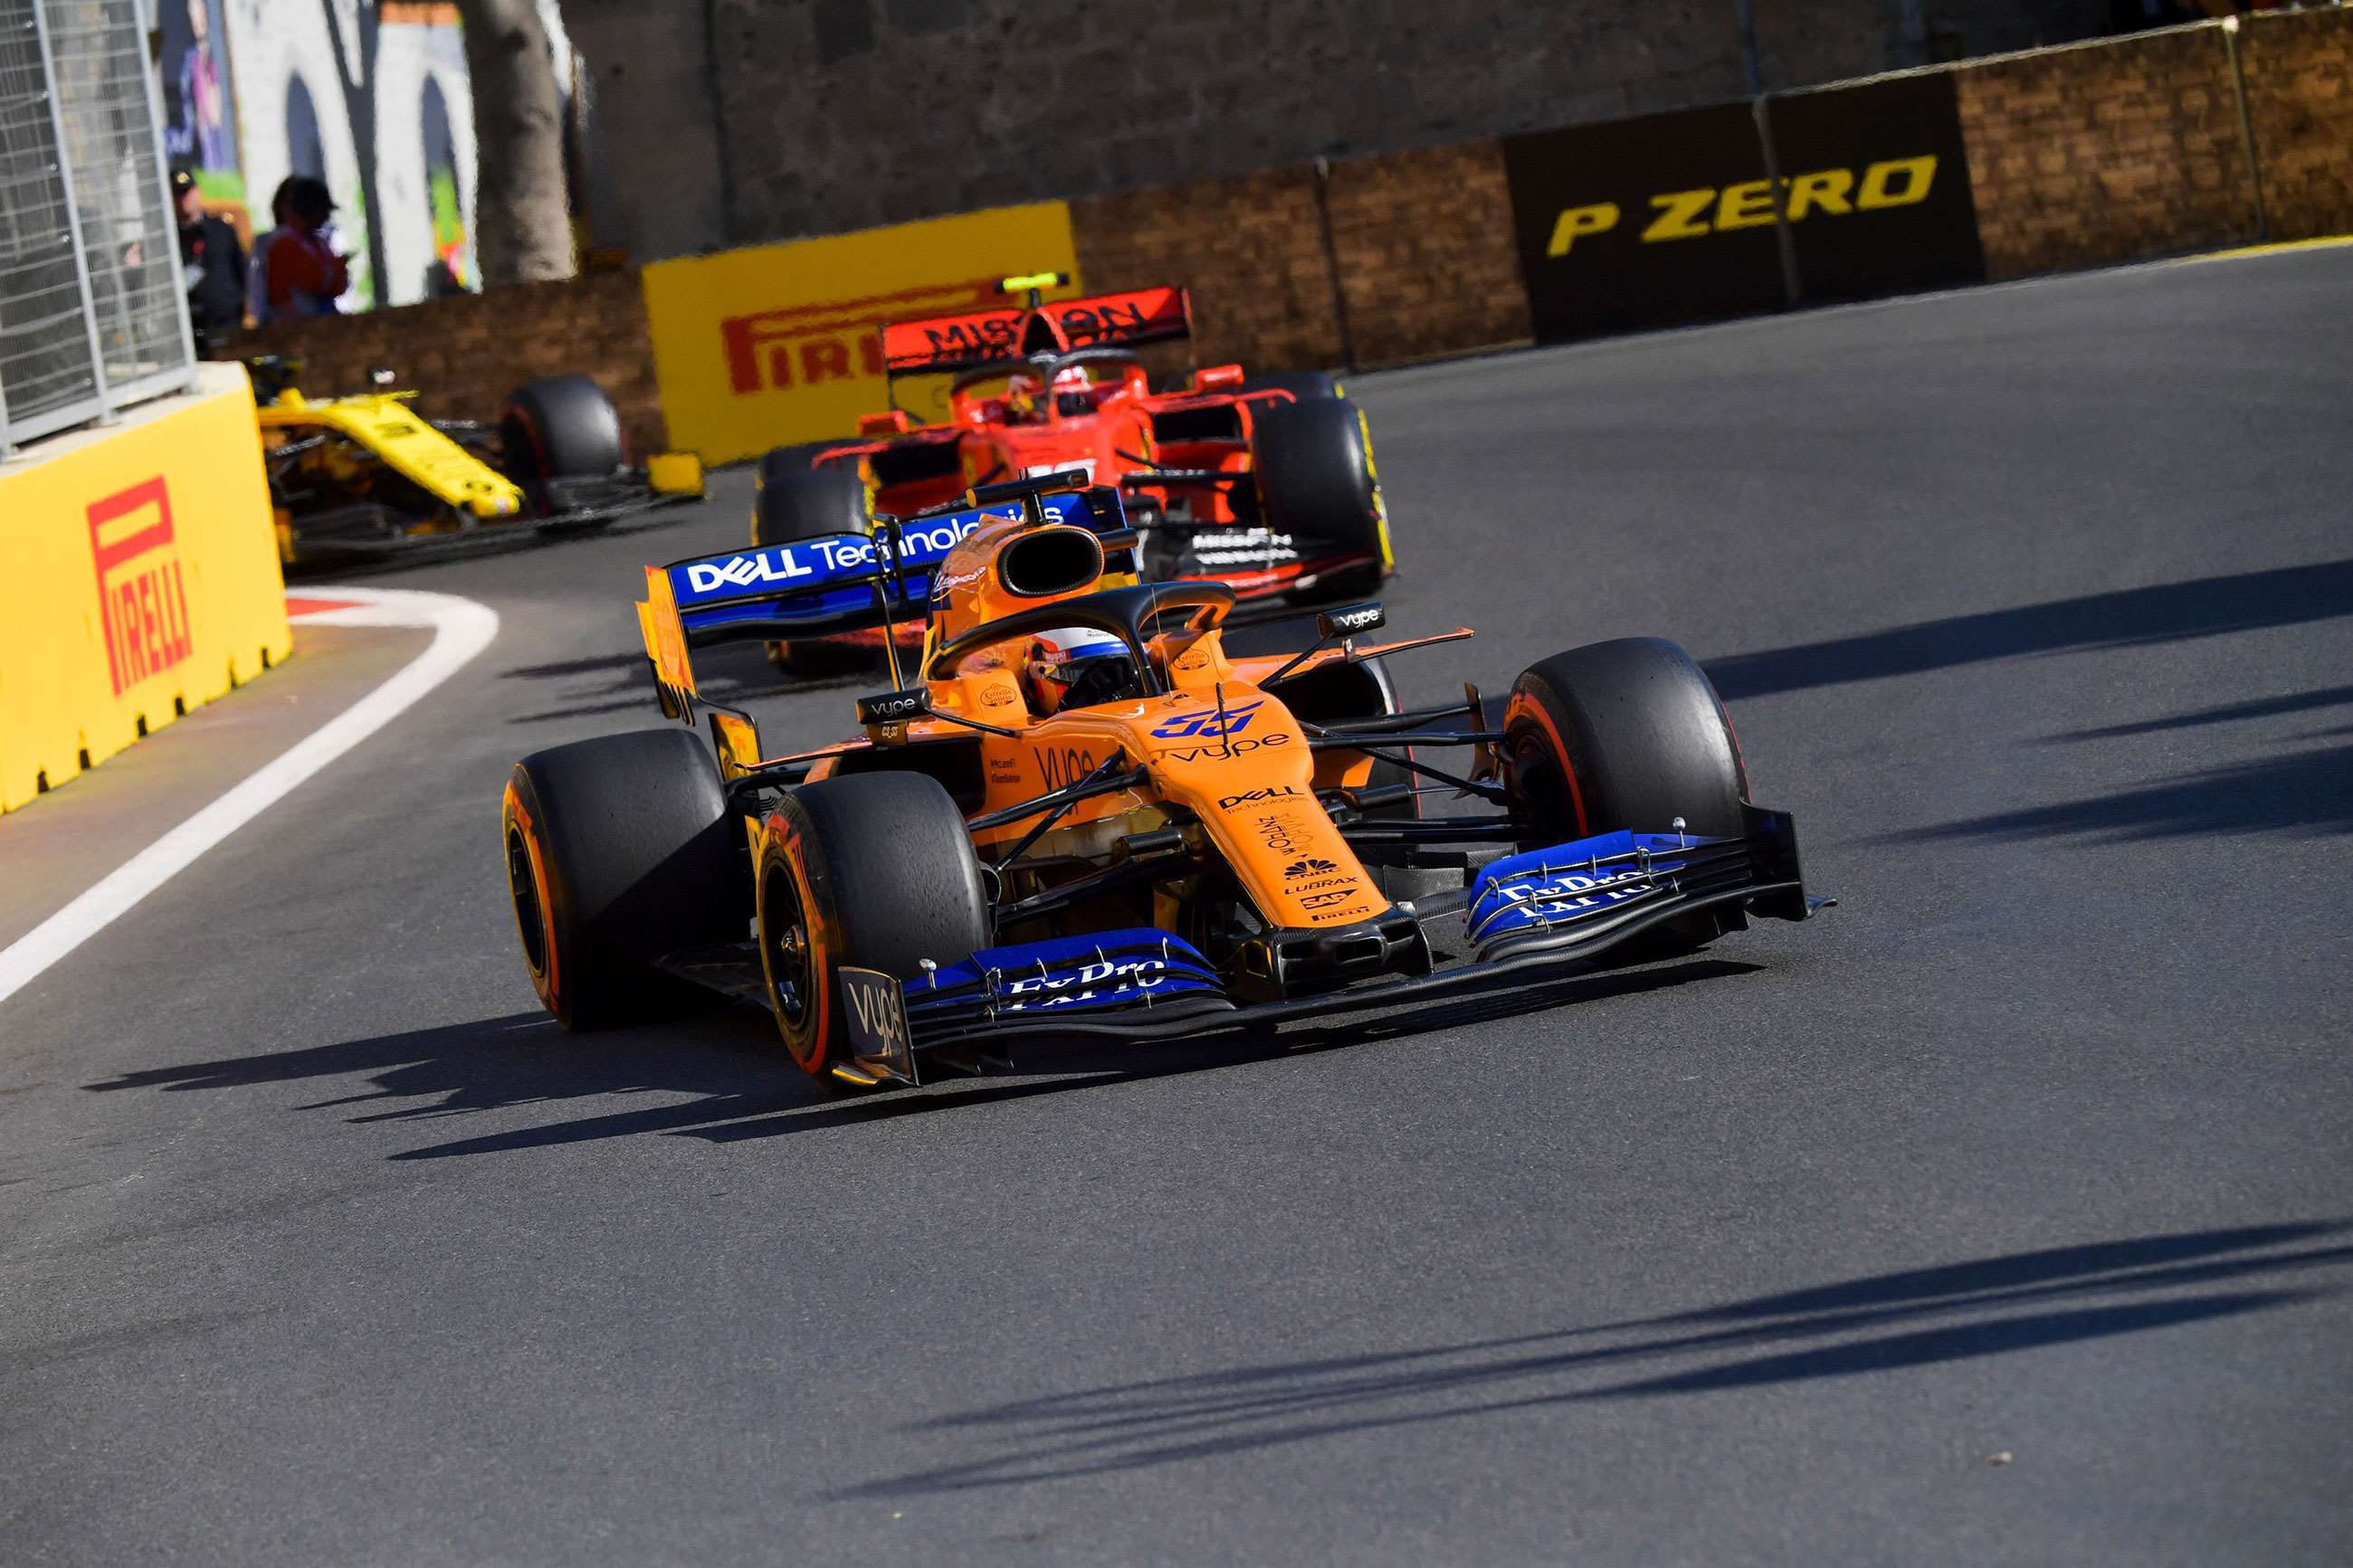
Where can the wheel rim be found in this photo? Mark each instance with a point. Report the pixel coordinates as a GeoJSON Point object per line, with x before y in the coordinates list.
{"type": "Point", "coordinates": [784, 929]}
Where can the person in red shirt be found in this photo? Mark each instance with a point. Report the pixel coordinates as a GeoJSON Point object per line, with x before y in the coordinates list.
{"type": "Point", "coordinates": [303, 275]}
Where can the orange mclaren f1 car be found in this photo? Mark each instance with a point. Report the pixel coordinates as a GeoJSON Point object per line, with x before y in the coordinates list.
{"type": "Point", "coordinates": [1265, 483]}
{"type": "Point", "coordinates": [1081, 815]}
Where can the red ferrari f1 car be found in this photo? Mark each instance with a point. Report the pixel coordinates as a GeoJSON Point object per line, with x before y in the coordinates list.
{"type": "Point", "coordinates": [1264, 483]}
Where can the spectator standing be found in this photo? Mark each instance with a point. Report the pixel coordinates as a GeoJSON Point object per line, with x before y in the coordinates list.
{"type": "Point", "coordinates": [213, 265]}
{"type": "Point", "coordinates": [301, 274]}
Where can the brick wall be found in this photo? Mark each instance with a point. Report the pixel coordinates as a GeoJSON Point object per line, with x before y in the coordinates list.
{"type": "Point", "coordinates": [466, 353]}
{"type": "Point", "coordinates": [1251, 250]}
{"type": "Point", "coordinates": [2299, 74]}
{"type": "Point", "coordinates": [2106, 152]}
{"type": "Point", "coordinates": [1427, 263]}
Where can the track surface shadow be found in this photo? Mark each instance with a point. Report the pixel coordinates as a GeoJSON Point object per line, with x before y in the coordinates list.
{"type": "Point", "coordinates": [2169, 612]}
{"type": "Point", "coordinates": [743, 1086]}
{"type": "Point", "coordinates": [1866, 1326]}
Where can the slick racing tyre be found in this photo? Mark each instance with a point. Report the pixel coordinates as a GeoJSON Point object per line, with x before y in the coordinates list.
{"type": "Point", "coordinates": [619, 850]}
{"type": "Point", "coordinates": [795, 500]}
{"type": "Point", "coordinates": [559, 428]}
{"type": "Point", "coordinates": [1625, 734]}
{"type": "Point", "coordinates": [1313, 463]}
{"type": "Point", "coordinates": [875, 871]}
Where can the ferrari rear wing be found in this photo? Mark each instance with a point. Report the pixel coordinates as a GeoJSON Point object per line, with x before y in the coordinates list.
{"type": "Point", "coordinates": [978, 339]}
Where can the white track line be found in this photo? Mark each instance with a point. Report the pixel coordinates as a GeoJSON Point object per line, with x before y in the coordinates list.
{"type": "Point", "coordinates": [462, 628]}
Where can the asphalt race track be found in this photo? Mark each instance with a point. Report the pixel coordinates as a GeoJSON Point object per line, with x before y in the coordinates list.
{"type": "Point", "coordinates": [2002, 1216]}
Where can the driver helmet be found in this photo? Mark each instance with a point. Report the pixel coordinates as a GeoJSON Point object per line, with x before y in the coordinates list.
{"type": "Point", "coordinates": [1074, 393]}
{"type": "Point", "coordinates": [1091, 663]}
{"type": "Point", "coordinates": [1022, 389]}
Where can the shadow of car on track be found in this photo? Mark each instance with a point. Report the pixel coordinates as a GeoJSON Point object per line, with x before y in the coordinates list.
{"type": "Point", "coordinates": [743, 1087]}
{"type": "Point", "coordinates": [2165, 612]}
{"type": "Point", "coordinates": [2308, 793]}
{"type": "Point", "coordinates": [1874, 1324]}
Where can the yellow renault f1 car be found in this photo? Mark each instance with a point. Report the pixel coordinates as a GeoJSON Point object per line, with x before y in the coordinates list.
{"type": "Point", "coordinates": [1080, 814]}
{"type": "Point", "coordinates": [365, 476]}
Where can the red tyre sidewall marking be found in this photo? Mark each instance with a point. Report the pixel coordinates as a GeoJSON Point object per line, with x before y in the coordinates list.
{"type": "Point", "coordinates": [521, 815]}
{"type": "Point", "coordinates": [789, 852]}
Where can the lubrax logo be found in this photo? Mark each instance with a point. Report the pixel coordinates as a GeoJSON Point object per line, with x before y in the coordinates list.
{"type": "Point", "coordinates": [1276, 793]}
{"type": "Point", "coordinates": [1689, 214]}
{"type": "Point", "coordinates": [142, 598]}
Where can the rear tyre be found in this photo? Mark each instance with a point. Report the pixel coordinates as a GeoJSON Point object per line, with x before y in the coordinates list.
{"type": "Point", "coordinates": [1312, 460]}
{"type": "Point", "coordinates": [619, 850]}
{"type": "Point", "coordinates": [875, 871]}
{"type": "Point", "coordinates": [559, 428]}
{"type": "Point", "coordinates": [1625, 734]}
{"type": "Point", "coordinates": [796, 500]}
{"type": "Point", "coordinates": [1302, 385]}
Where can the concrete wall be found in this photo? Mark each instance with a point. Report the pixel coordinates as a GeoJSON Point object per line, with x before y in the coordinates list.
{"type": "Point", "coordinates": [467, 351]}
{"type": "Point", "coordinates": [839, 114]}
{"type": "Point", "coordinates": [659, 186]}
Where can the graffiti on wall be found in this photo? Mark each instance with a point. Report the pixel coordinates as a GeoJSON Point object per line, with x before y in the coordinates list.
{"type": "Point", "coordinates": [373, 100]}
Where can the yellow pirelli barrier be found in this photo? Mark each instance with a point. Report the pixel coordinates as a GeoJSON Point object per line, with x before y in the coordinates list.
{"type": "Point", "coordinates": [777, 343]}
{"type": "Point", "coordinates": [139, 578]}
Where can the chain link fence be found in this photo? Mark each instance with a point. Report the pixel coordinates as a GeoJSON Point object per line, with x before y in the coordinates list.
{"type": "Point", "coordinates": [92, 315]}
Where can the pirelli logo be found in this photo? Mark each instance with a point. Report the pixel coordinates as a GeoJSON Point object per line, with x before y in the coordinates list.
{"type": "Point", "coordinates": [805, 345]}
{"type": "Point", "coordinates": [142, 598]}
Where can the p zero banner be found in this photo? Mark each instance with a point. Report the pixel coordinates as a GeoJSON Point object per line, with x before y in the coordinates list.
{"type": "Point", "coordinates": [1876, 183]}
{"type": "Point", "coordinates": [142, 580]}
{"type": "Point", "coordinates": [1643, 223]}
{"type": "Point", "coordinates": [774, 344]}
{"type": "Point", "coordinates": [1671, 219]}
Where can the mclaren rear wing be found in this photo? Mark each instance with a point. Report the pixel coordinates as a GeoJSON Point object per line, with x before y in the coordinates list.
{"type": "Point", "coordinates": [836, 582]}
{"type": "Point", "coordinates": [979, 339]}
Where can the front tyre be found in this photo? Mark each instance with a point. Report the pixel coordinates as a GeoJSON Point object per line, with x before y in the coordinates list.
{"type": "Point", "coordinates": [876, 872]}
{"type": "Point", "coordinates": [619, 851]}
{"type": "Point", "coordinates": [559, 428]}
{"type": "Point", "coordinates": [1313, 461]}
{"type": "Point", "coordinates": [1625, 734]}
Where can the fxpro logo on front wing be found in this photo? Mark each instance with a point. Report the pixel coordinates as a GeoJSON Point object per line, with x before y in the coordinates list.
{"type": "Point", "coordinates": [142, 598]}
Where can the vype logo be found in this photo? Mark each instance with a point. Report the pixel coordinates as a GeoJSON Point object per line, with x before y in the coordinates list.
{"type": "Point", "coordinates": [143, 599]}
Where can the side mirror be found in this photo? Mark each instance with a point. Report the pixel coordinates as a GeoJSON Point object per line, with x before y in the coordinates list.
{"type": "Point", "coordinates": [894, 423]}
{"type": "Point", "coordinates": [1350, 620]}
{"type": "Point", "coordinates": [894, 707]}
{"type": "Point", "coordinates": [1218, 378]}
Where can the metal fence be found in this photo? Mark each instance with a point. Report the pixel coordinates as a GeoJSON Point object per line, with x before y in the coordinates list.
{"type": "Point", "coordinates": [92, 312]}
